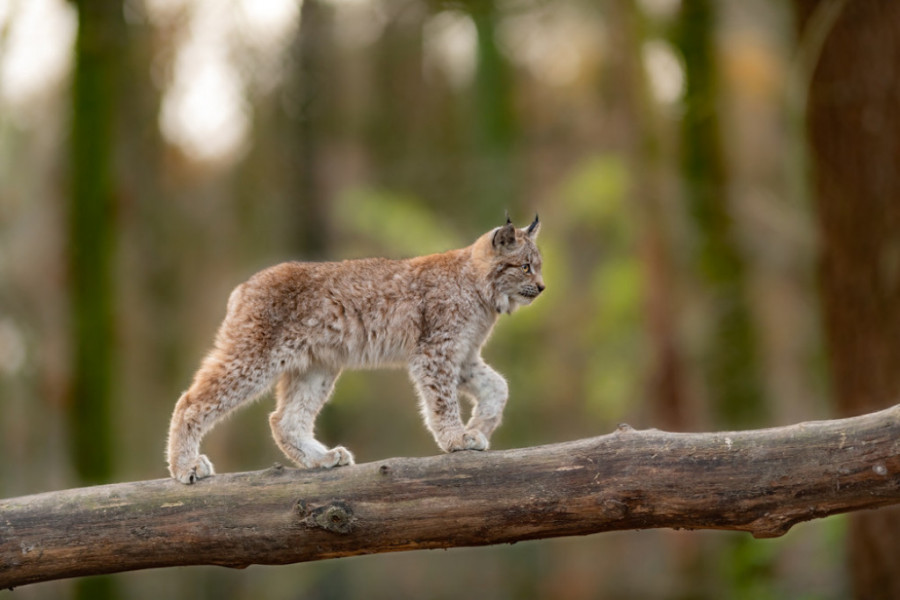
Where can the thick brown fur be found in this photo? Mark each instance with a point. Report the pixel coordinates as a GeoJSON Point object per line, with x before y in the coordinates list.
{"type": "Point", "coordinates": [299, 324]}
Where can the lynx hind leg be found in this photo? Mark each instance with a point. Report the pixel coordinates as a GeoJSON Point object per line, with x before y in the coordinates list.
{"type": "Point", "coordinates": [186, 464]}
{"type": "Point", "coordinates": [301, 395]}
{"type": "Point", "coordinates": [490, 392]}
{"type": "Point", "coordinates": [218, 387]}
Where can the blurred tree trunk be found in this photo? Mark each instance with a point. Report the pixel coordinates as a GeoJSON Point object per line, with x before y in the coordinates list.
{"type": "Point", "coordinates": [638, 116]}
{"type": "Point", "coordinates": [638, 113]}
{"type": "Point", "coordinates": [854, 129]}
{"type": "Point", "coordinates": [395, 111]}
{"type": "Point", "coordinates": [731, 370]}
{"type": "Point", "coordinates": [494, 120]}
{"type": "Point", "coordinates": [92, 228]}
{"type": "Point", "coordinates": [308, 206]}
{"type": "Point", "coordinates": [98, 48]}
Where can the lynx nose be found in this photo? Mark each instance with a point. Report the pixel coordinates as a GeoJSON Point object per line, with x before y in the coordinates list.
{"type": "Point", "coordinates": [541, 287]}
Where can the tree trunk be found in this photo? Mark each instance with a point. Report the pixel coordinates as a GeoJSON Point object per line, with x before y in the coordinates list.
{"type": "Point", "coordinates": [494, 131]}
{"type": "Point", "coordinates": [98, 48]}
{"type": "Point", "coordinates": [91, 234]}
{"type": "Point", "coordinates": [761, 481]}
{"type": "Point", "coordinates": [313, 79]}
{"type": "Point", "coordinates": [854, 129]}
{"type": "Point", "coordinates": [729, 358]}
{"type": "Point", "coordinates": [639, 127]}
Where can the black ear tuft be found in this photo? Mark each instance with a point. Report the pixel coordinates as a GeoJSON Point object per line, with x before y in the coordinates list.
{"type": "Point", "coordinates": [508, 220]}
{"type": "Point", "coordinates": [504, 236]}
{"type": "Point", "coordinates": [534, 228]}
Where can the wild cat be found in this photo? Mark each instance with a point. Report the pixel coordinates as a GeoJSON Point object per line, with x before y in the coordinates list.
{"type": "Point", "coordinates": [301, 323]}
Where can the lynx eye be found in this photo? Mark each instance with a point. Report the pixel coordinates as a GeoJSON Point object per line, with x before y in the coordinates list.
{"type": "Point", "coordinates": [526, 267]}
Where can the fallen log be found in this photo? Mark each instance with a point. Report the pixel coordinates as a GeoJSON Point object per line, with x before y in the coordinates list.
{"type": "Point", "coordinates": [761, 481]}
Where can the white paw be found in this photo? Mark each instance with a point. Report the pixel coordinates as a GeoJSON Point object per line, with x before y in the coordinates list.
{"type": "Point", "coordinates": [471, 439]}
{"type": "Point", "coordinates": [344, 456]}
{"type": "Point", "coordinates": [336, 457]}
{"type": "Point", "coordinates": [192, 470]}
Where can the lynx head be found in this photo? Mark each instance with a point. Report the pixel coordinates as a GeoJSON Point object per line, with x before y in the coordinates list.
{"type": "Point", "coordinates": [513, 265]}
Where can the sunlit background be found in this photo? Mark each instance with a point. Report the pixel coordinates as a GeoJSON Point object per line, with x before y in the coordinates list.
{"type": "Point", "coordinates": [662, 146]}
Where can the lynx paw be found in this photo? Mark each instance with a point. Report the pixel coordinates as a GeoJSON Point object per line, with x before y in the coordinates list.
{"type": "Point", "coordinates": [471, 439]}
{"type": "Point", "coordinates": [336, 457]}
{"type": "Point", "coordinates": [195, 469]}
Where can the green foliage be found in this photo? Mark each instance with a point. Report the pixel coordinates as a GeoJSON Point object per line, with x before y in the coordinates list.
{"type": "Point", "coordinates": [393, 223]}
{"type": "Point", "coordinates": [615, 333]}
{"type": "Point", "coordinates": [594, 193]}
{"type": "Point", "coordinates": [747, 566]}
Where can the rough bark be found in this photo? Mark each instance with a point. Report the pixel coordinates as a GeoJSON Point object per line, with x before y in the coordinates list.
{"type": "Point", "coordinates": [762, 481]}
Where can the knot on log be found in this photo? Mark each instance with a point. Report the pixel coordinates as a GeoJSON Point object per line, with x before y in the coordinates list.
{"type": "Point", "coordinates": [336, 517]}
{"type": "Point", "coordinates": [773, 526]}
{"type": "Point", "coordinates": [613, 508]}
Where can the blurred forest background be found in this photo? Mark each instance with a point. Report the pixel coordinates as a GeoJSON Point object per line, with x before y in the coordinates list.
{"type": "Point", "coordinates": [717, 182]}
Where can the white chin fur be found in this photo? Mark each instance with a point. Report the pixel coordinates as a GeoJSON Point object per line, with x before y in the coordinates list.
{"type": "Point", "coordinates": [505, 305]}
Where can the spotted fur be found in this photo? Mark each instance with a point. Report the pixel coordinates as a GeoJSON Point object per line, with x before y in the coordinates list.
{"type": "Point", "coordinates": [299, 324]}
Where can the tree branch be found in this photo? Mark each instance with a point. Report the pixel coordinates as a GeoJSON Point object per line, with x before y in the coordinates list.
{"type": "Point", "coordinates": [761, 481]}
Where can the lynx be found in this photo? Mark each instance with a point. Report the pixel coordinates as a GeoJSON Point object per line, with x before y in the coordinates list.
{"type": "Point", "coordinates": [301, 323]}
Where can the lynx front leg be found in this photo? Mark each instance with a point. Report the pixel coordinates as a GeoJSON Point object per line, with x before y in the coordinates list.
{"type": "Point", "coordinates": [490, 391]}
{"type": "Point", "coordinates": [436, 380]}
{"type": "Point", "coordinates": [301, 396]}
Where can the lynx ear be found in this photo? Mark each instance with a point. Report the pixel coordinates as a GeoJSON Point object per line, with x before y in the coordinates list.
{"type": "Point", "coordinates": [504, 237]}
{"type": "Point", "coordinates": [534, 229]}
